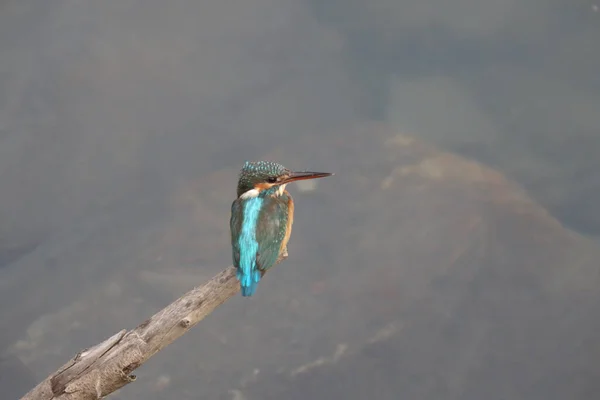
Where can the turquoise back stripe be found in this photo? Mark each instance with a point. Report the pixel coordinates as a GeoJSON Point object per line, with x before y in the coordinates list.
{"type": "Point", "coordinates": [247, 239]}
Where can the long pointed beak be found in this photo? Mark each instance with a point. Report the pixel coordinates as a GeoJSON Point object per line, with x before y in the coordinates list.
{"type": "Point", "coordinates": [300, 176]}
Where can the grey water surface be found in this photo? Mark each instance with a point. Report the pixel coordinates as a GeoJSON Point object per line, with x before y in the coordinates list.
{"type": "Point", "coordinates": [122, 126]}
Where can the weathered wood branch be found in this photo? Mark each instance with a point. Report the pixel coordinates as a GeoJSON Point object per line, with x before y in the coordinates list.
{"type": "Point", "coordinates": [105, 368]}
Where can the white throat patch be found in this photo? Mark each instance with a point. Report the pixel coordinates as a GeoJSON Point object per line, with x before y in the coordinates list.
{"type": "Point", "coordinates": [249, 194]}
{"type": "Point", "coordinates": [252, 193]}
{"type": "Point", "coordinates": [281, 189]}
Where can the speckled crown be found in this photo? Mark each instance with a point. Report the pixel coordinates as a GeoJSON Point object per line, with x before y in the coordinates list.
{"type": "Point", "coordinates": [263, 167]}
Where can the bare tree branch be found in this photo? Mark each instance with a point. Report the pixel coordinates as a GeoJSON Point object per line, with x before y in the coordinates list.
{"type": "Point", "coordinates": [105, 368]}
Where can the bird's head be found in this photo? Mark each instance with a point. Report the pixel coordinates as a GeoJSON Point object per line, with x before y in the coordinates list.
{"type": "Point", "coordinates": [258, 177]}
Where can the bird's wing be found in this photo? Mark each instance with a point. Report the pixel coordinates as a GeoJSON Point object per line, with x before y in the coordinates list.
{"type": "Point", "coordinates": [235, 224]}
{"type": "Point", "coordinates": [270, 230]}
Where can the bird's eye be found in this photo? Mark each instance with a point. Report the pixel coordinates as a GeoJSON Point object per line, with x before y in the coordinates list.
{"type": "Point", "coordinates": [272, 179]}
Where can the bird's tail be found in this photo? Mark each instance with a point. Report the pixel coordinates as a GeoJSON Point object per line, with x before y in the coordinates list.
{"type": "Point", "coordinates": [248, 282]}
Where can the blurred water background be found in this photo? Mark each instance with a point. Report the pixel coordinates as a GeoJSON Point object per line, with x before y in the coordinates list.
{"type": "Point", "coordinates": [453, 256]}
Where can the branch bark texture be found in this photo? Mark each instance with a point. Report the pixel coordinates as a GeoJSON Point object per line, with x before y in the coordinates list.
{"type": "Point", "coordinates": [105, 368]}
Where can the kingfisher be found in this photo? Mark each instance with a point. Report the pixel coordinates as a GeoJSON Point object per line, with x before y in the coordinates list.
{"type": "Point", "coordinates": [261, 219]}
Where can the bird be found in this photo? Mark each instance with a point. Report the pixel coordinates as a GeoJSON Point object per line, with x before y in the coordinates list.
{"type": "Point", "coordinates": [261, 219]}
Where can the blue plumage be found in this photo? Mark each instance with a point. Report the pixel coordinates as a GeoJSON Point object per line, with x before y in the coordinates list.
{"type": "Point", "coordinates": [248, 273]}
{"type": "Point", "coordinates": [261, 219]}
{"type": "Point", "coordinates": [259, 231]}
